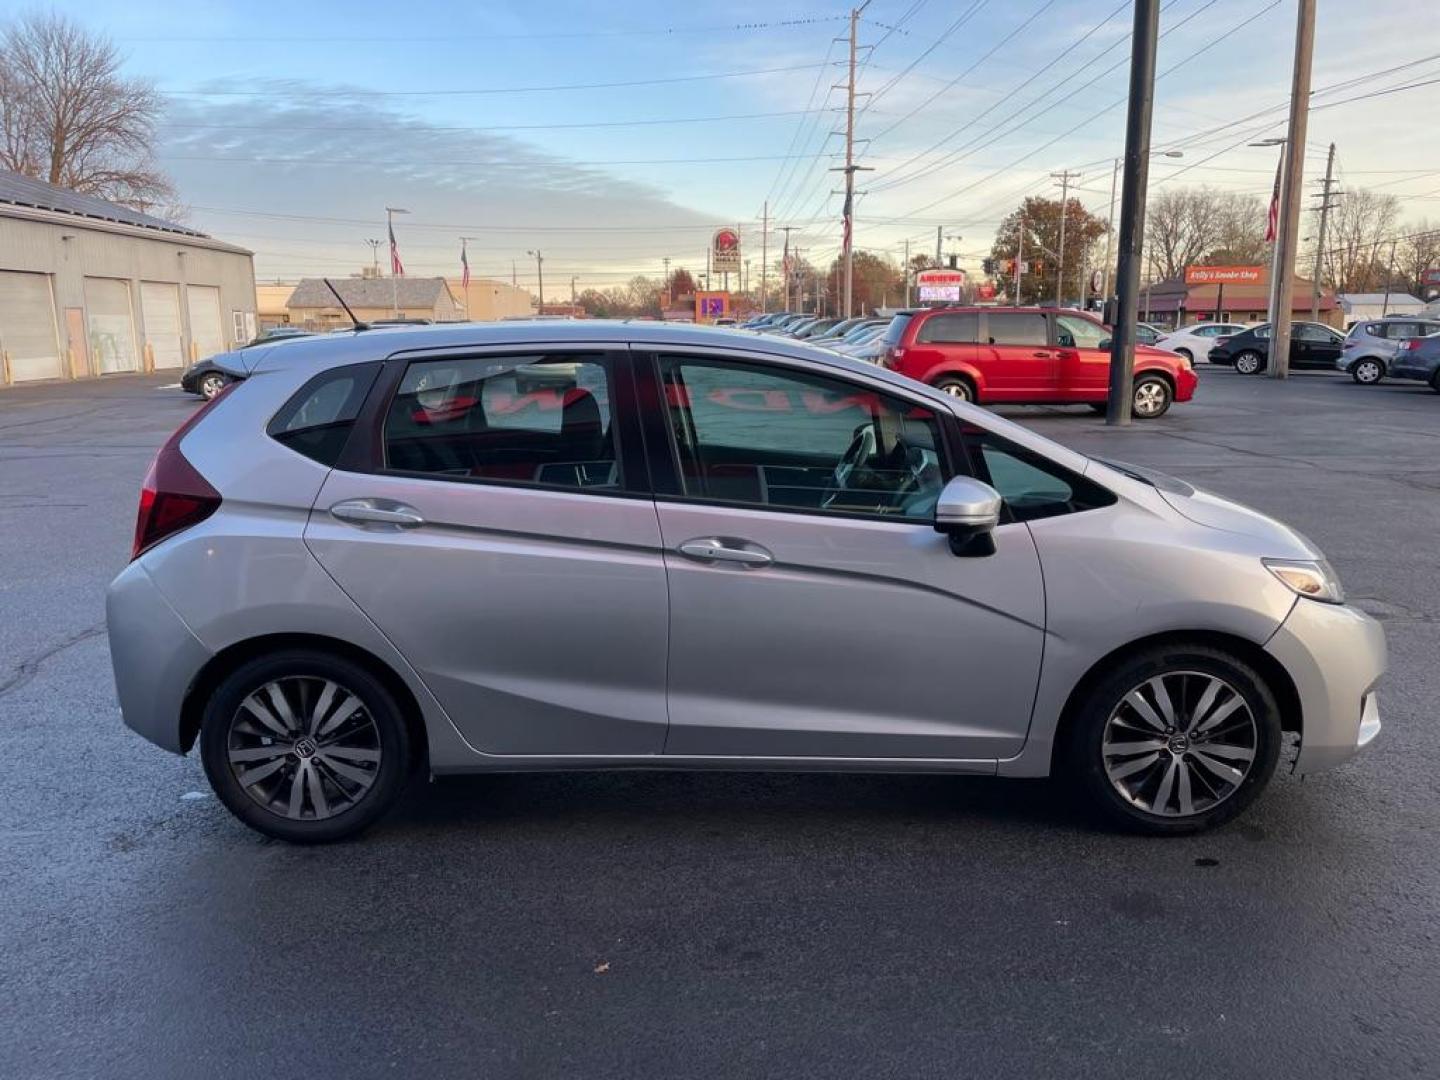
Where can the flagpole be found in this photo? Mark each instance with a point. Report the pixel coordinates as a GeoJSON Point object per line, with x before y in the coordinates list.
{"type": "Point", "coordinates": [397, 268]}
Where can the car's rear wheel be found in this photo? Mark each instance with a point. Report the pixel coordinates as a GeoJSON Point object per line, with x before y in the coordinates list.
{"type": "Point", "coordinates": [1367, 372]}
{"type": "Point", "coordinates": [1176, 739]}
{"type": "Point", "coordinates": [1152, 397]}
{"type": "Point", "coordinates": [304, 746]}
{"type": "Point", "coordinates": [211, 383]}
{"type": "Point", "coordinates": [1248, 362]}
{"type": "Point", "coordinates": [955, 386]}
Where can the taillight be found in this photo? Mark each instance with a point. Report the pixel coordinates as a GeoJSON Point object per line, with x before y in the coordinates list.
{"type": "Point", "coordinates": [174, 496]}
{"type": "Point", "coordinates": [891, 356]}
{"type": "Point", "coordinates": [1413, 344]}
{"type": "Point", "coordinates": [1220, 341]}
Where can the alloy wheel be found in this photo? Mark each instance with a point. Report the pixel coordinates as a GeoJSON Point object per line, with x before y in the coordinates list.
{"type": "Point", "coordinates": [1367, 372]}
{"type": "Point", "coordinates": [211, 385]}
{"type": "Point", "coordinates": [304, 748]}
{"type": "Point", "coordinates": [1247, 363]}
{"type": "Point", "coordinates": [955, 389]}
{"type": "Point", "coordinates": [1180, 744]}
{"type": "Point", "coordinates": [1149, 399]}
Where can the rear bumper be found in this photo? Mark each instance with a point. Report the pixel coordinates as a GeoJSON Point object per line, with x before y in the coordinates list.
{"type": "Point", "coordinates": [154, 654]}
{"type": "Point", "coordinates": [1401, 370]}
{"type": "Point", "coordinates": [1335, 655]}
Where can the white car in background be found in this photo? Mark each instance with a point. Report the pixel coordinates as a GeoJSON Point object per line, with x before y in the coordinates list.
{"type": "Point", "coordinates": [1194, 342]}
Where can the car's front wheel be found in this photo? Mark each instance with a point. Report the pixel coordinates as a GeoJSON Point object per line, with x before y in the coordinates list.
{"type": "Point", "coordinates": [1176, 739]}
{"type": "Point", "coordinates": [1248, 362]}
{"type": "Point", "coordinates": [1152, 397]}
{"type": "Point", "coordinates": [1187, 354]}
{"type": "Point", "coordinates": [211, 383]}
{"type": "Point", "coordinates": [1367, 372]}
{"type": "Point", "coordinates": [304, 746]}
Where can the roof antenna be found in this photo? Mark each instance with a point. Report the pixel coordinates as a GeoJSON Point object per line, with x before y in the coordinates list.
{"type": "Point", "coordinates": [358, 324]}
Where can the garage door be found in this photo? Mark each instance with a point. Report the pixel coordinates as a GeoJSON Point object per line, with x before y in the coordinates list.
{"type": "Point", "coordinates": [206, 329]}
{"type": "Point", "coordinates": [160, 308]}
{"type": "Point", "coordinates": [111, 323]}
{"type": "Point", "coordinates": [27, 326]}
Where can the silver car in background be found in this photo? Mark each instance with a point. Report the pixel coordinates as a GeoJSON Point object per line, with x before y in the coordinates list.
{"type": "Point", "coordinates": [588, 545]}
{"type": "Point", "coordinates": [1371, 345]}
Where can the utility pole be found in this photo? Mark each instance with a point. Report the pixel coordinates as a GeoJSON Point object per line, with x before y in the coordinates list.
{"type": "Point", "coordinates": [850, 169]}
{"type": "Point", "coordinates": [1320, 238]}
{"type": "Point", "coordinates": [1131, 244]}
{"type": "Point", "coordinates": [764, 256]}
{"type": "Point", "coordinates": [1019, 257]}
{"type": "Point", "coordinates": [1109, 238]}
{"type": "Point", "coordinates": [540, 275]}
{"type": "Point", "coordinates": [1389, 280]}
{"type": "Point", "coordinates": [572, 290]}
{"type": "Point", "coordinates": [1064, 178]}
{"type": "Point", "coordinates": [1289, 234]}
{"type": "Point", "coordinates": [939, 230]}
{"type": "Point", "coordinates": [907, 271]}
{"type": "Point", "coordinates": [785, 264]}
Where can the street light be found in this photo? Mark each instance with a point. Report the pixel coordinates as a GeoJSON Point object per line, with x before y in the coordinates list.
{"type": "Point", "coordinates": [374, 256]}
{"type": "Point", "coordinates": [540, 274]}
{"type": "Point", "coordinates": [390, 212]}
{"type": "Point", "coordinates": [1110, 221]}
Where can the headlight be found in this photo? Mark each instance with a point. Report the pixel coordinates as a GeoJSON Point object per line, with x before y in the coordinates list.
{"type": "Point", "coordinates": [1316, 580]}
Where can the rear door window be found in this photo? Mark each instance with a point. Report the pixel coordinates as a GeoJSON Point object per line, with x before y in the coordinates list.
{"type": "Point", "coordinates": [896, 330]}
{"type": "Point", "coordinates": [1016, 328]}
{"type": "Point", "coordinates": [950, 329]}
{"type": "Point", "coordinates": [1402, 330]}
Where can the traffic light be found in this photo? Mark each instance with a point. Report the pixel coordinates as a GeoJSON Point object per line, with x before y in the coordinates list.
{"type": "Point", "coordinates": [989, 267]}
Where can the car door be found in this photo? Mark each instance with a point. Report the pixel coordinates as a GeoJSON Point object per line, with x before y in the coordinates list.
{"type": "Point", "coordinates": [1083, 355]}
{"type": "Point", "coordinates": [815, 613]}
{"type": "Point", "coordinates": [500, 532]}
{"type": "Point", "coordinates": [1017, 357]}
{"type": "Point", "coordinates": [1313, 345]}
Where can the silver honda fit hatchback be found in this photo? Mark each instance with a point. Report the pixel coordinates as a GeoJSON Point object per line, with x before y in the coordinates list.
{"type": "Point", "coordinates": [597, 545]}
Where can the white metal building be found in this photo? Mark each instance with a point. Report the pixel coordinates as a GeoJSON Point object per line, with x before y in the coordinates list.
{"type": "Point", "coordinates": [91, 288]}
{"type": "Point", "coordinates": [1373, 305]}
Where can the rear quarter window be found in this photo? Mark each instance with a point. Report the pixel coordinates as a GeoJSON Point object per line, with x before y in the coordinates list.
{"type": "Point", "coordinates": [317, 419]}
{"type": "Point", "coordinates": [896, 330]}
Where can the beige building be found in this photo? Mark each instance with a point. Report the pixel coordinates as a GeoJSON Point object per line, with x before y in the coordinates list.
{"type": "Point", "coordinates": [489, 300]}
{"type": "Point", "coordinates": [313, 306]}
{"type": "Point", "coordinates": [270, 304]}
{"type": "Point", "coordinates": [91, 288]}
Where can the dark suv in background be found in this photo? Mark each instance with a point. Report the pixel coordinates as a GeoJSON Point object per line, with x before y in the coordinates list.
{"type": "Point", "coordinates": [1027, 356]}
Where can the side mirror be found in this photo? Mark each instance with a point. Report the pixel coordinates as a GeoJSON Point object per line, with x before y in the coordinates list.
{"type": "Point", "coordinates": [1105, 344]}
{"type": "Point", "coordinates": [967, 511]}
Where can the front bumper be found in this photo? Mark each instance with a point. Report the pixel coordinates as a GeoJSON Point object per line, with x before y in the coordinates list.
{"type": "Point", "coordinates": [154, 654]}
{"type": "Point", "coordinates": [1335, 654]}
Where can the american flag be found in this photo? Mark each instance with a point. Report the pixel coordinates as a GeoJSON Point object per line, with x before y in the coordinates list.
{"type": "Point", "coordinates": [1272, 220]}
{"type": "Point", "coordinates": [464, 267]}
{"type": "Point", "coordinates": [846, 214]}
{"type": "Point", "coordinates": [397, 268]}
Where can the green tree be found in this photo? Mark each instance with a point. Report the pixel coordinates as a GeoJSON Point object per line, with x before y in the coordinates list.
{"type": "Point", "coordinates": [1042, 245]}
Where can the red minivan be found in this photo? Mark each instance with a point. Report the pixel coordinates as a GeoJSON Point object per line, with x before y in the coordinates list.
{"type": "Point", "coordinates": [1027, 356]}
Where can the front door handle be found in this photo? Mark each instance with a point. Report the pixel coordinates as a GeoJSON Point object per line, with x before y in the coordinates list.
{"type": "Point", "coordinates": [368, 512]}
{"type": "Point", "coordinates": [1043, 355]}
{"type": "Point", "coordinates": [721, 549]}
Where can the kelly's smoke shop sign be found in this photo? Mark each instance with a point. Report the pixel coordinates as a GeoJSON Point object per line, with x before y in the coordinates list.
{"type": "Point", "coordinates": [1225, 275]}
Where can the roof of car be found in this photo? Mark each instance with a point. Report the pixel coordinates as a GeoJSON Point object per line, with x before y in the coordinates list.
{"type": "Point", "coordinates": [352, 346]}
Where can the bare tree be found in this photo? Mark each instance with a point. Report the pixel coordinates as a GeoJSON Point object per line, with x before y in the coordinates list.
{"type": "Point", "coordinates": [1181, 226]}
{"type": "Point", "coordinates": [1417, 253]}
{"type": "Point", "coordinates": [67, 114]}
{"type": "Point", "coordinates": [1242, 233]}
{"type": "Point", "coordinates": [1357, 245]}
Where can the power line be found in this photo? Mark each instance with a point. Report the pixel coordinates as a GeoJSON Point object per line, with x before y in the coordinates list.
{"type": "Point", "coordinates": [536, 163]}
{"type": "Point", "coordinates": [277, 128]}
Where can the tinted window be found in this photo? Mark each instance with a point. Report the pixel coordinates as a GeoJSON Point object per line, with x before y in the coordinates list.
{"type": "Point", "coordinates": [1076, 333]}
{"type": "Point", "coordinates": [1016, 328]}
{"type": "Point", "coordinates": [538, 419]}
{"type": "Point", "coordinates": [317, 420]}
{"type": "Point", "coordinates": [1262, 332]}
{"type": "Point", "coordinates": [1402, 330]}
{"type": "Point", "coordinates": [962, 327]}
{"type": "Point", "coordinates": [896, 330]}
{"type": "Point", "coordinates": [765, 436]}
{"type": "Point", "coordinates": [1032, 486]}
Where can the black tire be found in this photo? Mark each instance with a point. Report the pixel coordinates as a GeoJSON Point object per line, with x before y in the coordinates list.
{"type": "Point", "coordinates": [1154, 394]}
{"type": "Point", "coordinates": [1249, 362]}
{"type": "Point", "coordinates": [298, 667]}
{"type": "Point", "coordinates": [1083, 748]}
{"type": "Point", "coordinates": [956, 386]}
{"type": "Point", "coordinates": [210, 384]}
{"type": "Point", "coordinates": [1435, 381]}
{"type": "Point", "coordinates": [1187, 354]}
{"type": "Point", "coordinates": [1367, 371]}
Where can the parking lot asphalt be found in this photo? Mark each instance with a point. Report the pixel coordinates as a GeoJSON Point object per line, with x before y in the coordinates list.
{"type": "Point", "coordinates": [718, 925]}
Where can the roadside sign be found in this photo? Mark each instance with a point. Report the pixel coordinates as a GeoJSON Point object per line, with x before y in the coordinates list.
{"type": "Point", "coordinates": [1430, 277]}
{"type": "Point", "coordinates": [725, 251]}
{"type": "Point", "coordinates": [1225, 275]}
{"type": "Point", "coordinates": [1097, 279]}
{"type": "Point", "coordinates": [940, 285]}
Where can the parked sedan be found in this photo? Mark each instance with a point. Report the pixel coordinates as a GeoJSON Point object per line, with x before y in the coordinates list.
{"type": "Point", "coordinates": [1419, 358]}
{"type": "Point", "coordinates": [1371, 345]}
{"type": "Point", "coordinates": [704, 551]}
{"type": "Point", "coordinates": [1312, 345]}
{"type": "Point", "coordinates": [1194, 342]}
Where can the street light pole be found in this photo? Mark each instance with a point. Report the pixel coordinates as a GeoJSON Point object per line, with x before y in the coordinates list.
{"type": "Point", "coordinates": [540, 276]}
{"type": "Point", "coordinates": [374, 257]}
{"type": "Point", "coordinates": [1132, 209]}
{"type": "Point", "coordinates": [1109, 238]}
{"type": "Point", "coordinates": [1064, 177]}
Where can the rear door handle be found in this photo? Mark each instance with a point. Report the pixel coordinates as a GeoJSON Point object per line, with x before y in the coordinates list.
{"type": "Point", "coordinates": [367, 512]}
{"type": "Point", "coordinates": [718, 549]}
{"type": "Point", "coordinates": [1043, 355]}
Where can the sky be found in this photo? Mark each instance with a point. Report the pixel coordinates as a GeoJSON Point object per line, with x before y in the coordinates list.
{"type": "Point", "coordinates": [613, 137]}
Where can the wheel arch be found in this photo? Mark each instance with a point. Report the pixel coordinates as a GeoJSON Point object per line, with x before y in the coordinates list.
{"type": "Point", "coordinates": [1269, 669]}
{"type": "Point", "coordinates": [1163, 373]}
{"type": "Point", "coordinates": [228, 659]}
{"type": "Point", "coordinates": [956, 371]}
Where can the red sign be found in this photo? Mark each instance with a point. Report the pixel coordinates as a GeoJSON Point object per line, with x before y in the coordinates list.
{"type": "Point", "coordinates": [1430, 277]}
{"type": "Point", "coordinates": [1225, 275]}
{"type": "Point", "coordinates": [940, 277]}
{"type": "Point", "coordinates": [725, 251]}
{"type": "Point", "coordinates": [985, 291]}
